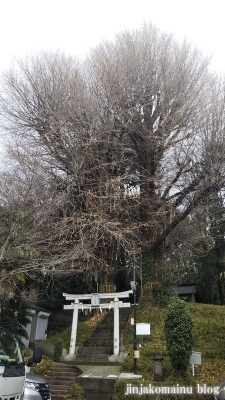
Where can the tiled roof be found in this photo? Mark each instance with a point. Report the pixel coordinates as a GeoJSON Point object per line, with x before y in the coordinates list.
{"type": "Point", "coordinates": [189, 288]}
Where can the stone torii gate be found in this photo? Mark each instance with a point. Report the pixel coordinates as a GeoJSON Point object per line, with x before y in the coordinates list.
{"type": "Point", "coordinates": [95, 303]}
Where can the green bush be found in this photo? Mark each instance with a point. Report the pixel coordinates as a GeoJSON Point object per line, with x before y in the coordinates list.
{"type": "Point", "coordinates": [178, 329]}
{"type": "Point", "coordinates": [41, 368]}
{"type": "Point", "coordinates": [58, 350]}
{"type": "Point", "coordinates": [76, 392]}
{"type": "Point", "coordinates": [161, 293]}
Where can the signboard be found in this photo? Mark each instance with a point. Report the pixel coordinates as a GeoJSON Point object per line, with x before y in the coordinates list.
{"type": "Point", "coordinates": [95, 300]}
{"type": "Point", "coordinates": [195, 357]}
{"type": "Point", "coordinates": [143, 329]}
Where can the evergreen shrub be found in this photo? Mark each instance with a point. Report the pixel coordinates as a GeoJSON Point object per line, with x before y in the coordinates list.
{"type": "Point", "coordinates": [58, 350]}
{"type": "Point", "coordinates": [162, 293]}
{"type": "Point", "coordinates": [178, 328]}
{"type": "Point", "coordinates": [76, 392]}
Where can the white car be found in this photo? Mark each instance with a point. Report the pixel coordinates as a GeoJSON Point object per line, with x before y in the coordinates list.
{"type": "Point", "coordinates": [36, 388]}
{"type": "Point", "coordinates": [221, 394]}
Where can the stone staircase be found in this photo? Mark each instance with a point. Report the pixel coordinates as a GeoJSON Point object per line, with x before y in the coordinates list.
{"type": "Point", "coordinates": [99, 345]}
{"type": "Point", "coordinates": [96, 388]}
{"type": "Point", "coordinates": [60, 380]}
{"type": "Point", "coordinates": [95, 351]}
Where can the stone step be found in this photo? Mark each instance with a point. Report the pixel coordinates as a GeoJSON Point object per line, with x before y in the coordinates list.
{"type": "Point", "coordinates": [62, 391]}
{"type": "Point", "coordinates": [106, 327]}
{"type": "Point", "coordinates": [94, 353]}
{"type": "Point", "coordinates": [62, 374]}
{"type": "Point", "coordinates": [106, 330]}
{"type": "Point", "coordinates": [96, 363]}
{"type": "Point", "coordinates": [93, 357]}
{"type": "Point", "coordinates": [107, 348]}
{"type": "Point", "coordinates": [95, 389]}
{"type": "Point", "coordinates": [94, 360]}
{"type": "Point", "coordinates": [99, 346]}
{"type": "Point", "coordinates": [94, 341]}
{"type": "Point", "coordinates": [66, 368]}
{"type": "Point", "coordinates": [102, 328]}
{"type": "Point", "coordinates": [111, 324]}
{"type": "Point", "coordinates": [96, 349]}
{"type": "Point", "coordinates": [99, 343]}
{"type": "Point", "coordinates": [57, 397]}
{"type": "Point", "coordinates": [101, 335]}
{"type": "Point", "coordinates": [60, 380]}
{"type": "Point", "coordinates": [92, 350]}
{"type": "Point", "coordinates": [58, 385]}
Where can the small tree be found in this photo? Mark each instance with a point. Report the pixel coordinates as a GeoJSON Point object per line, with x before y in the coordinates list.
{"type": "Point", "coordinates": [58, 351]}
{"type": "Point", "coordinates": [14, 316]}
{"type": "Point", "coordinates": [76, 392]}
{"type": "Point", "coordinates": [178, 329]}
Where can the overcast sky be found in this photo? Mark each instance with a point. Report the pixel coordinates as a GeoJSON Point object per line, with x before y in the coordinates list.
{"type": "Point", "coordinates": [74, 26]}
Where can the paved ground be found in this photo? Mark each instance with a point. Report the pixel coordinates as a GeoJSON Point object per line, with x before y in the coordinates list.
{"type": "Point", "coordinates": [101, 371]}
{"type": "Point", "coordinates": [105, 371]}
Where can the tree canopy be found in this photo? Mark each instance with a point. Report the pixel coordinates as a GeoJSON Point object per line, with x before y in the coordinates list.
{"type": "Point", "coordinates": [118, 153]}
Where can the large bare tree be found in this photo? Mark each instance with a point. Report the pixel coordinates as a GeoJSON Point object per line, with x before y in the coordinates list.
{"type": "Point", "coordinates": [127, 144]}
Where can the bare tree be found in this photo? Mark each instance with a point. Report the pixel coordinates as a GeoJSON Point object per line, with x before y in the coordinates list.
{"type": "Point", "coordinates": [129, 143]}
{"type": "Point", "coordinates": [169, 112]}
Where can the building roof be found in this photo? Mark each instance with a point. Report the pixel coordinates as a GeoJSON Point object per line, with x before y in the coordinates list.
{"type": "Point", "coordinates": [186, 288]}
{"type": "Point", "coordinates": [37, 308]}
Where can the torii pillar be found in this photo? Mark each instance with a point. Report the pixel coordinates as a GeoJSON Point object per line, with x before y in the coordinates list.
{"type": "Point", "coordinates": [116, 348]}
{"type": "Point", "coordinates": [74, 328]}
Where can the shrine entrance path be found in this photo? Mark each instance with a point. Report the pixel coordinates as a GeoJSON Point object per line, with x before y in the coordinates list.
{"type": "Point", "coordinates": [100, 371]}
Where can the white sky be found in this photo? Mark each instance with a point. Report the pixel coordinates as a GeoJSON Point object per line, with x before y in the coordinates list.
{"type": "Point", "coordinates": [74, 26]}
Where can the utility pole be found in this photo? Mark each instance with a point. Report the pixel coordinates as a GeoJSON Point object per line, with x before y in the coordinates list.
{"type": "Point", "coordinates": [135, 318]}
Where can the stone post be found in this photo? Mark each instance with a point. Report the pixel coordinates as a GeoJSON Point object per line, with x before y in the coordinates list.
{"type": "Point", "coordinates": [158, 368]}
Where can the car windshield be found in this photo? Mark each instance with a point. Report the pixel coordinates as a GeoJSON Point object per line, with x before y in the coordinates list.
{"type": "Point", "coordinates": [9, 348]}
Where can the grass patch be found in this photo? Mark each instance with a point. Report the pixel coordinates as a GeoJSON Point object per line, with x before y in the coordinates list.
{"type": "Point", "coordinates": [209, 324]}
{"type": "Point", "coordinates": [41, 368]}
{"type": "Point", "coordinates": [84, 329]}
{"type": "Point", "coordinates": [209, 333]}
